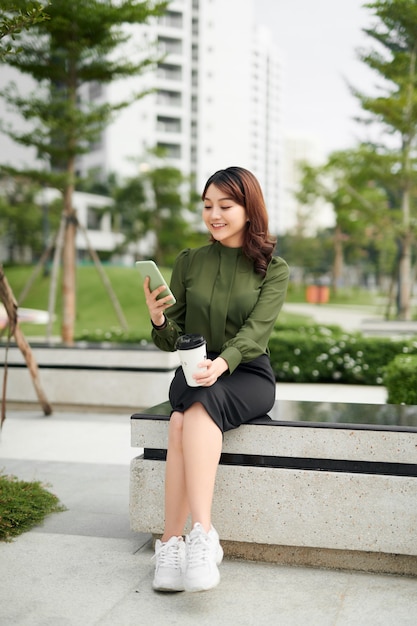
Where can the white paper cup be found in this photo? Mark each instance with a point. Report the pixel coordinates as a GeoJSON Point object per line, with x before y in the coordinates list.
{"type": "Point", "coordinates": [191, 350]}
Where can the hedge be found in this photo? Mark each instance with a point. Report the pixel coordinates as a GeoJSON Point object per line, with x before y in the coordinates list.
{"type": "Point", "coordinates": [400, 380]}
{"type": "Point", "coordinates": [328, 355]}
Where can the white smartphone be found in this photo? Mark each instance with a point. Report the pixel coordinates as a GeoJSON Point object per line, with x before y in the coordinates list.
{"type": "Point", "coordinates": [149, 268]}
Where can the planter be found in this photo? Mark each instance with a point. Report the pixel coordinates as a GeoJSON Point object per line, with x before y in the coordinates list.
{"type": "Point", "coordinates": [92, 375]}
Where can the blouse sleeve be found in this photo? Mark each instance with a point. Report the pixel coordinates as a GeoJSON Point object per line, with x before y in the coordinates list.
{"type": "Point", "coordinates": [165, 339]}
{"type": "Point", "coordinates": [252, 339]}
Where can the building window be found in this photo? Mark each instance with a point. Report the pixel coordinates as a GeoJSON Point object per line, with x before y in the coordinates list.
{"type": "Point", "coordinates": [172, 150]}
{"type": "Point", "coordinates": [93, 218]}
{"type": "Point", "coordinates": [168, 124]}
{"type": "Point", "coordinates": [169, 72]}
{"type": "Point", "coordinates": [168, 45]}
{"type": "Point", "coordinates": [173, 19]}
{"type": "Point", "coordinates": [169, 98]}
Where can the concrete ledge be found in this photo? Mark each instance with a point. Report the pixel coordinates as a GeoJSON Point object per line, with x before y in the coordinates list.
{"type": "Point", "coordinates": [86, 375]}
{"type": "Point", "coordinates": [314, 442]}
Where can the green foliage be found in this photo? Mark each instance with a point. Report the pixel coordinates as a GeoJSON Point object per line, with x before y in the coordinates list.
{"type": "Point", "coordinates": [355, 183]}
{"type": "Point", "coordinates": [314, 254]}
{"type": "Point", "coordinates": [158, 201]}
{"type": "Point", "coordinates": [400, 379]}
{"type": "Point", "coordinates": [13, 21]}
{"type": "Point", "coordinates": [23, 505]}
{"type": "Point", "coordinates": [22, 220]}
{"type": "Point", "coordinates": [393, 111]}
{"type": "Point", "coordinates": [316, 353]}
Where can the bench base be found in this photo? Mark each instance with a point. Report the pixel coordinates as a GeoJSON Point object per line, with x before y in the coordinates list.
{"type": "Point", "coordinates": [380, 563]}
{"type": "Point", "coordinates": [329, 519]}
{"type": "Point", "coordinates": [349, 560]}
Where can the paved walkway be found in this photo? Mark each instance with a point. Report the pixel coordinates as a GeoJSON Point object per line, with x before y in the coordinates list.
{"type": "Point", "coordinates": [365, 319]}
{"type": "Point", "coordinates": [84, 567]}
{"type": "Point", "coordinates": [350, 318]}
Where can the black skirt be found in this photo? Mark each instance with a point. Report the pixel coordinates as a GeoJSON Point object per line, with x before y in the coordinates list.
{"type": "Point", "coordinates": [233, 399]}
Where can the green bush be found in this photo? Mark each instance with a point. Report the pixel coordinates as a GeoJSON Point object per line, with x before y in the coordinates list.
{"type": "Point", "coordinates": [329, 355]}
{"type": "Point", "coordinates": [23, 505]}
{"type": "Point", "coordinates": [400, 379]}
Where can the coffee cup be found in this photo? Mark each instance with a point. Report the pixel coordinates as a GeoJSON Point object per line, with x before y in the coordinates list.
{"type": "Point", "coordinates": [192, 350]}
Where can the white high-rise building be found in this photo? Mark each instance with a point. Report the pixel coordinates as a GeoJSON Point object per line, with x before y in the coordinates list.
{"type": "Point", "coordinates": [214, 99]}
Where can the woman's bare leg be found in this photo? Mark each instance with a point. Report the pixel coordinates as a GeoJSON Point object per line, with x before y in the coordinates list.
{"type": "Point", "coordinates": [201, 445]}
{"type": "Point", "coordinates": [176, 503]}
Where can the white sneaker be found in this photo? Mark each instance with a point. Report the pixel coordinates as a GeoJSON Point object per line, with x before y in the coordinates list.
{"type": "Point", "coordinates": [204, 553]}
{"type": "Point", "coordinates": [170, 565]}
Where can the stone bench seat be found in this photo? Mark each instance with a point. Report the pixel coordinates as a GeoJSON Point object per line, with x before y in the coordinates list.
{"type": "Point", "coordinates": [312, 483]}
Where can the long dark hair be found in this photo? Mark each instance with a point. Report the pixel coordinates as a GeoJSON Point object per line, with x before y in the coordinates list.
{"type": "Point", "coordinates": [243, 187]}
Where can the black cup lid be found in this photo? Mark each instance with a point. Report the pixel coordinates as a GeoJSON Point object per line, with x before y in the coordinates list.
{"type": "Point", "coordinates": [189, 341]}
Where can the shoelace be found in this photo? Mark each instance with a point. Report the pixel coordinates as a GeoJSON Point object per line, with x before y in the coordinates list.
{"type": "Point", "coordinates": [168, 555]}
{"type": "Point", "coordinates": [198, 550]}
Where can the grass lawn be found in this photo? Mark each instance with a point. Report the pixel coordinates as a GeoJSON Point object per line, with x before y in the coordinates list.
{"type": "Point", "coordinates": [95, 310]}
{"type": "Point", "coordinates": [94, 307]}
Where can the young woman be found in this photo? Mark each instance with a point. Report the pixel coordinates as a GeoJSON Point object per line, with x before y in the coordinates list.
{"type": "Point", "coordinates": [230, 291]}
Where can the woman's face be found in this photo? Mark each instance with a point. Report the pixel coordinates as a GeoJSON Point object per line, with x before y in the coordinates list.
{"type": "Point", "coordinates": [224, 218]}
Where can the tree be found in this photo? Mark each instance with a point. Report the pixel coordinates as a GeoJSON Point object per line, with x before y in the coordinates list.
{"type": "Point", "coordinates": [165, 211]}
{"type": "Point", "coordinates": [159, 201]}
{"type": "Point", "coordinates": [348, 181]}
{"type": "Point", "coordinates": [77, 46]}
{"type": "Point", "coordinates": [394, 110]}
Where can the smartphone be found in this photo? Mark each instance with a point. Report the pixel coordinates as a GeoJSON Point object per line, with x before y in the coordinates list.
{"type": "Point", "coordinates": [149, 268]}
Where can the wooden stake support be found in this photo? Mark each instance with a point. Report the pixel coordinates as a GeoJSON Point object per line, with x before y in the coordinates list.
{"type": "Point", "coordinates": [10, 304]}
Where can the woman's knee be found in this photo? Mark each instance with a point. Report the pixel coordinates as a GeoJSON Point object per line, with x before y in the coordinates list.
{"type": "Point", "coordinates": [175, 431]}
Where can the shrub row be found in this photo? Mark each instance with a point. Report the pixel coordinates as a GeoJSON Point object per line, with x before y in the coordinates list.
{"type": "Point", "coordinates": [324, 354]}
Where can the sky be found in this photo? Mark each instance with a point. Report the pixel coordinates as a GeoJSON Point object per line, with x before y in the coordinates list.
{"type": "Point", "coordinates": [318, 41]}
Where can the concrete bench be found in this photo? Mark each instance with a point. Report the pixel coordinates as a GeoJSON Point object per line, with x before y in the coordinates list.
{"type": "Point", "coordinates": [320, 484]}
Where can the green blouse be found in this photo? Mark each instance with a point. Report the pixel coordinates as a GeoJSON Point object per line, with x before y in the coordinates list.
{"type": "Point", "coordinates": [221, 297]}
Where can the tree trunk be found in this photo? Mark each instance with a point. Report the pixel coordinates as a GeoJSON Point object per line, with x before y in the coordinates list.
{"type": "Point", "coordinates": [404, 282]}
{"type": "Point", "coordinates": [54, 277]}
{"type": "Point", "coordinates": [404, 295]}
{"type": "Point", "coordinates": [338, 258]}
{"type": "Point", "coordinates": [68, 269]}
